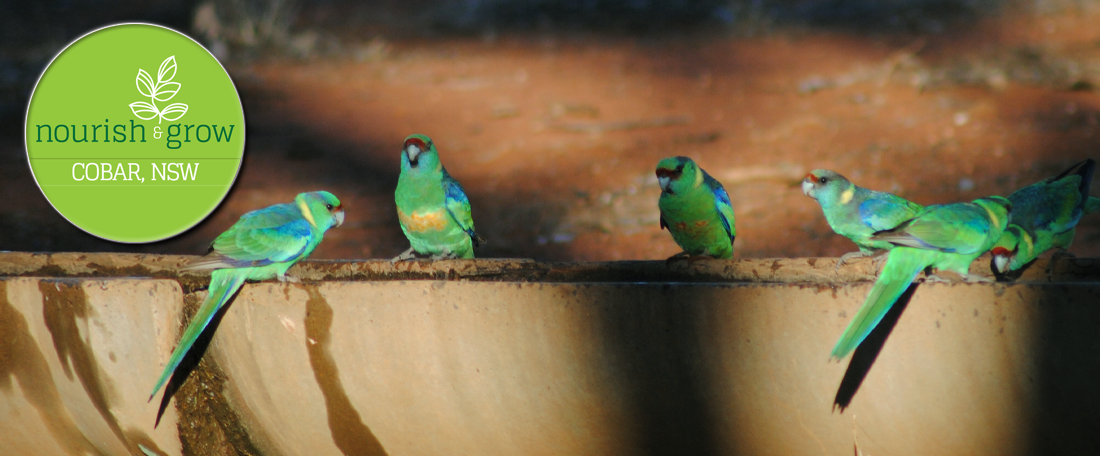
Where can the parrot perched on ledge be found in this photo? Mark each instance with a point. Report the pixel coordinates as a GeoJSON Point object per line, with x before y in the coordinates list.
{"type": "Point", "coordinates": [431, 205]}
{"type": "Point", "coordinates": [947, 237]}
{"type": "Point", "coordinates": [855, 212]}
{"type": "Point", "coordinates": [696, 210]}
{"type": "Point", "coordinates": [262, 245]}
{"type": "Point", "coordinates": [1045, 216]}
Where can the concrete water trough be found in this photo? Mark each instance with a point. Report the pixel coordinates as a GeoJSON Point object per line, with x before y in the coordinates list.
{"type": "Point", "coordinates": [515, 357]}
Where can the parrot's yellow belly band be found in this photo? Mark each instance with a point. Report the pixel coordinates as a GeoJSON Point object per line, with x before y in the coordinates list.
{"type": "Point", "coordinates": [422, 222]}
{"type": "Point", "coordinates": [695, 228]}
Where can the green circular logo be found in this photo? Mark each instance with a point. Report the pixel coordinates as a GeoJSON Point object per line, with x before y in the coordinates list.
{"type": "Point", "coordinates": [135, 133]}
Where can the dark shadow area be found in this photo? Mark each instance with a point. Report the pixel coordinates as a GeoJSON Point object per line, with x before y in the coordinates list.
{"type": "Point", "coordinates": [1068, 330]}
{"type": "Point", "coordinates": [647, 17]}
{"type": "Point", "coordinates": [888, 16]}
{"type": "Point", "coordinates": [658, 361]}
{"type": "Point", "coordinates": [1009, 276]}
{"type": "Point", "coordinates": [31, 34]}
{"type": "Point", "coordinates": [600, 15]}
{"type": "Point", "coordinates": [865, 355]}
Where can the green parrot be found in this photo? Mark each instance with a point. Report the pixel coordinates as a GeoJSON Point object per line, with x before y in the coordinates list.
{"type": "Point", "coordinates": [1044, 216]}
{"type": "Point", "coordinates": [696, 210]}
{"type": "Point", "coordinates": [431, 205]}
{"type": "Point", "coordinates": [262, 245]}
{"type": "Point", "coordinates": [856, 212]}
{"type": "Point", "coordinates": [947, 237]}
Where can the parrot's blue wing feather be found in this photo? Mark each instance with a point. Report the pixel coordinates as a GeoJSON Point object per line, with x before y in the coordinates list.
{"type": "Point", "coordinates": [458, 205]}
{"type": "Point", "coordinates": [883, 211]}
{"type": "Point", "coordinates": [265, 246]}
{"type": "Point", "coordinates": [724, 207]}
{"type": "Point", "coordinates": [722, 204]}
{"type": "Point", "coordinates": [261, 237]}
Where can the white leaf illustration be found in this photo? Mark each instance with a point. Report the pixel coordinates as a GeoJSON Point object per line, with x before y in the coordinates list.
{"type": "Point", "coordinates": [145, 83]}
{"type": "Point", "coordinates": [166, 91]}
{"type": "Point", "coordinates": [178, 109]}
{"type": "Point", "coordinates": [143, 110]}
{"type": "Point", "coordinates": [162, 90]}
{"type": "Point", "coordinates": [167, 70]}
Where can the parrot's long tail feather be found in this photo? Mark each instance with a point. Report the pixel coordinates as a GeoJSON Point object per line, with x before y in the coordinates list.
{"type": "Point", "coordinates": [223, 284]}
{"type": "Point", "coordinates": [902, 266]}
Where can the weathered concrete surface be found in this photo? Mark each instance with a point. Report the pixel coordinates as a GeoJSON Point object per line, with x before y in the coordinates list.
{"type": "Point", "coordinates": [473, 365]}
{"type": "Point", "coordinates": [74, 356]}
{"type": "Point", "coordinates": [768, 270]}
{"type": "Point", "coordinates": [547, 369]}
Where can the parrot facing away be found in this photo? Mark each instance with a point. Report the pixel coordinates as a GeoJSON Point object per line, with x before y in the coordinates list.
{"type": "Point", "coordinates": [947, 237]}
{"type": "Point", "coordinates": [431, 205]}
{"type": "Point", "coordinates": [262, 245]}
{"type": "Point", "coordinates": [856, 212]}
{"type": "Point", "coordinates": [1045, 216]}
{"type": "Point", "coordinates": [696, 210]}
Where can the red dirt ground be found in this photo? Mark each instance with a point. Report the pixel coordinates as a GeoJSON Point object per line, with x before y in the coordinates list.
{"type": "Point", "coordinates": [555, 136]}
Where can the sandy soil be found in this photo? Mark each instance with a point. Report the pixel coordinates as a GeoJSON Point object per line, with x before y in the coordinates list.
{"type": "Point", "coordinates": [555, 135]}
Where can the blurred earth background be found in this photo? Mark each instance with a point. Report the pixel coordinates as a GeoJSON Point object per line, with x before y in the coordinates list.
{"type": "Point", "coordinates": [554, 113]}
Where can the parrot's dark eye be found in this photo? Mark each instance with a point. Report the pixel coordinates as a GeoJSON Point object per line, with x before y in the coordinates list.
{"type": "Point", "coordinates": [328, 206]}
{"type": "Point", "coordinates": [822, 180]}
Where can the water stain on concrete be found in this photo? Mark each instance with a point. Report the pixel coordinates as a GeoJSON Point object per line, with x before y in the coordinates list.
{"type": "Point", "coordinates": [20, 358]}
{"type": "Point", "coordinates": [349, 433]}
{"type": "Point", "coordinates": [62, 303]}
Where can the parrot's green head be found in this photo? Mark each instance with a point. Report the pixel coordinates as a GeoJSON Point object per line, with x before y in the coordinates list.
{"type": "Point", "coordinates": [678, 175]}
{"type": "Point", "coordinates": [321, 209]}
{"type": "Point", "coordinates": [419, 155]}
{"type": "Point", "coordinates": [1014, 241]}
{"type": "Point", "coordinates": [828, 188]}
